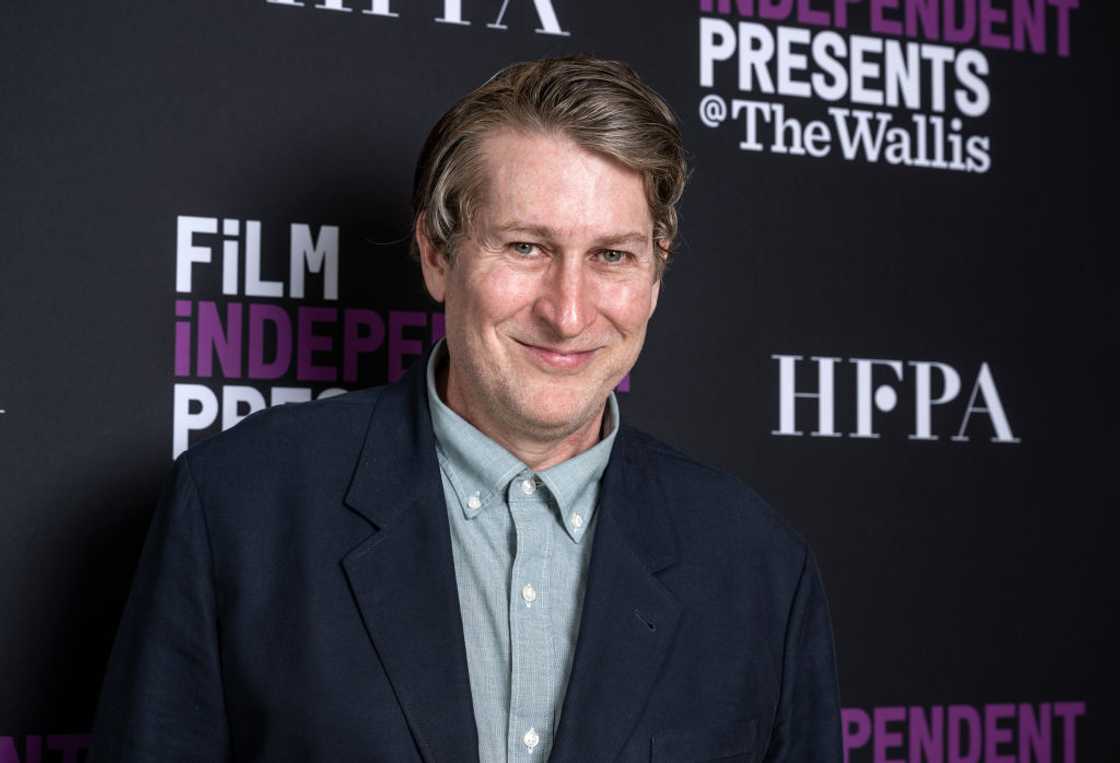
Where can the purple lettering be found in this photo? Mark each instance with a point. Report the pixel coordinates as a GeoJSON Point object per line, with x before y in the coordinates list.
{"type": "Point", "coordinates": [213, 339]}
{"type": "Point", "coordinates": [989, 17]}
{"type": "Point", "coordinates": [881, 24]}
{"type": "Point", "coordinates": [856, 725]}
{"type": "Point", "coordinates": [745, 7]}
{"type": "Point", "coordinates": [778, 10]}
{"type": "Point", "coordinates": [995, 735]}
{"type": "Point", "coordinates": [1028, 17]}
{"type": "Point", "coordinates": [309, 343]}
{"type": "Point", "coordinates": [1064, 7]}
{"type": "Point", "coordinates": [1069, 712]}
{"type": "Point", "coordinates": [1034, 733]}
{"type": "Point", "coordinates": [923, 13]}
{"type": "Point", "coordinates": [960, 715]}
{"type": "Point", "coordinates": [840, 12]}
{"type": "Point", "coordinates": [926, 735]}
{"type": "Point", "coordinates": [33, 752]}
{"type": "Point", "coordinates": [807, 15]}
{"type": "Point", "coordinates": [885, 739]}
{"type": "Point", "coordinates": [69, 745]}
{"type": "Point", "coordinates": [355, 342]}
{"type": "Point", "coordinates": [966, 29]}
{"type": "Point", "coordinates": [398, 345]}
{"type": "Point", "coordinates": [182, 338]}
{"type": "Point", "coordinates": [259, 315]}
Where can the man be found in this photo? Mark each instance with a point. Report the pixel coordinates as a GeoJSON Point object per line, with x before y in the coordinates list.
{"type": "Point", "coordinates": [481, 562]}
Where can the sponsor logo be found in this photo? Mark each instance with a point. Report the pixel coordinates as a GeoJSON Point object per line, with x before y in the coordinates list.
{"type": "Point", "coordinates": [452, 12]}
{"type": "Point", "coordinates": [238, 351]}
{"type": "Point", "coordinates": [928, 384]}
{"type": "Point", "coordinates": [912, 93]}
{"type": "Point", "coordinates": [63, 748]}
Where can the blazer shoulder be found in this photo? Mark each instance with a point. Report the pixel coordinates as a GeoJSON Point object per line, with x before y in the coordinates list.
{"type": "Point", "coordinates": [274, 427]}
{"type": "Point", "coordinates": [283, 445]}
{"type": "Point", "coordinates": [714, 498]}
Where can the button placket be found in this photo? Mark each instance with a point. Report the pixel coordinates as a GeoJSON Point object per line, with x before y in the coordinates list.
{"type": "Point", "coordinates": [529, 621]}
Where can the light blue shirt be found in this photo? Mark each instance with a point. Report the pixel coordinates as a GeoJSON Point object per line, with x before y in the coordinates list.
{"type": "Point", "coordinates": [521, 543]}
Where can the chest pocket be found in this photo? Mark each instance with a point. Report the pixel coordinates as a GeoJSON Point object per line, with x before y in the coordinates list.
{"type": "Point", "coordinates": [726, 743]}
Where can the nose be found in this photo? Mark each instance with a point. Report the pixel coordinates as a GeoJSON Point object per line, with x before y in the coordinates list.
{"type": "Point", "coordinates": [565, 300]}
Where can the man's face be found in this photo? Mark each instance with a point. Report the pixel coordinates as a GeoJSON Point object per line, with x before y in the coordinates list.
{"type": "Point", "coordinates": [548, 298]}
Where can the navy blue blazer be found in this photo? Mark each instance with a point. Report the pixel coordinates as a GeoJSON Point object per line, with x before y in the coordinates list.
{"type": "Point", "coordinates": [296, 600]}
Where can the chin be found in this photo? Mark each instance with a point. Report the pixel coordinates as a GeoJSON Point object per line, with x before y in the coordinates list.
{"type": "Point", "coordinates": [549, 410]}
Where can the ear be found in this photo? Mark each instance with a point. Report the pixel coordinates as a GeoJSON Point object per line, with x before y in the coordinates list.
{"type": "Point", "coordinates": [433, 261]}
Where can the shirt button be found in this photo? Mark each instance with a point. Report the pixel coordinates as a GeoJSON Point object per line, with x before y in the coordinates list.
{"type": "Point", "coordinates": [474, 501]}
{"type": "Point", "coordinates": [527, 486]}
{"type": "Point", "coordinates": [528, 593]}
{"type": "Point", "coordinates": [531, 739]}
{"type": "Point", "coordinates": [577, 520]}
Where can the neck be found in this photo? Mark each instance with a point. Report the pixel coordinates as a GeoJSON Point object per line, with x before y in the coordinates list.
{"type": "Point", "coordinates": [536, 450]}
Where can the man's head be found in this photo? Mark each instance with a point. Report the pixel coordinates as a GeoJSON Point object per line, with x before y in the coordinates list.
{"type": "Point", "coordinates": [600, 105]}
{"type": "Point", "coordinates": [544, 216]}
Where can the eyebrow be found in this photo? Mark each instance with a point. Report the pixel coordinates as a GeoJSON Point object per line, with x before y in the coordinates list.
{"type": "Point", "coordinates": [546, 233]}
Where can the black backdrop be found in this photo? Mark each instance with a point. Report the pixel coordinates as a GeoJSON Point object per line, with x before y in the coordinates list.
{"type": "Point", "coordinates": [970, 579]}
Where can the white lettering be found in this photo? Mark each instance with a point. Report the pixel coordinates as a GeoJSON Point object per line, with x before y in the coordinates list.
{"type": "Point", "coordinates": [788, 394]}
{"type": "Point", "coordinates": [184, 421]}
{"type": "Point", "coordinates": [753, 59]}
{"type": "Point", "coordinates": [985, 385]}
{"type": "Point", "coordinates": [186, 253]}
{"type": "Point", "coordinates": [254, 286]}
{"type": "Point", "coordinates": [717, 43]}
{"type": "Point", "coordinates": [885, 397]}
{"type": "Point", "coordinates": [923, 398]}
{"type": "Point", "coordinates": [320, 255]}
{"type": "Point", "coordinates": [545, 13]}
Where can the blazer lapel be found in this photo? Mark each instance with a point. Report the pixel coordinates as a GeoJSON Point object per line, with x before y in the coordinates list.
{"type": "Point", "coordinates": [403, 576]}
{"type": "Point", "coordinates": [629, 618]}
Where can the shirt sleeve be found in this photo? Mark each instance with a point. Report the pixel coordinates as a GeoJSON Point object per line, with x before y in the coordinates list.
{"type": "Point", "coordinates": [807, 726]}
{"type": "Point", "coordinates": [162, 695]}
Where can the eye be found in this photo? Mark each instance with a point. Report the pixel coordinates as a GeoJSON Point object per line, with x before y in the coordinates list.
{"type": "Point", "coordinates": [523, 248]}
{"type": "Point", "coordinates": [612, 256]}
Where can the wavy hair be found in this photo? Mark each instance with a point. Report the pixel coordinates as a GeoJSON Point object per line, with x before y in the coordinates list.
{"type": "Point", "coordinates": [601, 105]}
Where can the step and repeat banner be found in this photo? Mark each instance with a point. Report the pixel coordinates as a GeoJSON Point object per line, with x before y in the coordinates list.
{"type": "Point", "coordinates": [892, 312]}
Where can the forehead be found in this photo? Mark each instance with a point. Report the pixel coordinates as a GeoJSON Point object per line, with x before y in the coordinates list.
{"type": "Point", "coordinates": [548, 180]}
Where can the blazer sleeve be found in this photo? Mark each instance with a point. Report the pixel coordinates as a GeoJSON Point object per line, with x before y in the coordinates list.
{"type": "Point", "coordinates": [807, 726]}
{"type": "Point", "coordinates": [162, 695]}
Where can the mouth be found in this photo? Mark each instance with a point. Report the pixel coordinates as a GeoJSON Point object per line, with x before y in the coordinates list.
{"type": "Point", "coordinates": [553, 358]}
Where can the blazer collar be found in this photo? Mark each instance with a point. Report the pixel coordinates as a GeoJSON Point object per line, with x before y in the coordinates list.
{"type": "Point", "coordinates": [403, 577]}
{"type": "Point", "coordinates": [629, 617]}
{"type": "Point", "coordinates": [403, 581]}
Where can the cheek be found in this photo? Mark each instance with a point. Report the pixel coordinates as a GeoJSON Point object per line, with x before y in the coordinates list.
{"type": "Point", "coordinates": [498, 295]}
{"type": "Point", "coordinates": [628, 307]}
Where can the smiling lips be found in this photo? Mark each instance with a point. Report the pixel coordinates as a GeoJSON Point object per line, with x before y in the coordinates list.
{"type": "Point", "coordinates": [560, 360]}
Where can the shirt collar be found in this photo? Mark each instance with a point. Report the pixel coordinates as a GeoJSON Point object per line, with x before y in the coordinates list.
{"type": "Point", "coordinates": [480, 470]}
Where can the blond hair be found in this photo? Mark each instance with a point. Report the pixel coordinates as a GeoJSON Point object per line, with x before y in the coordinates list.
{"type": "Point", "coordinates": [601, 105]}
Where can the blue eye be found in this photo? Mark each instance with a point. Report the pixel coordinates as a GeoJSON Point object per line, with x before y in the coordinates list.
{"type": "Point", "coordinates": [612, 256]}
{"type": "Point", "coordinates": [522, 248]}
